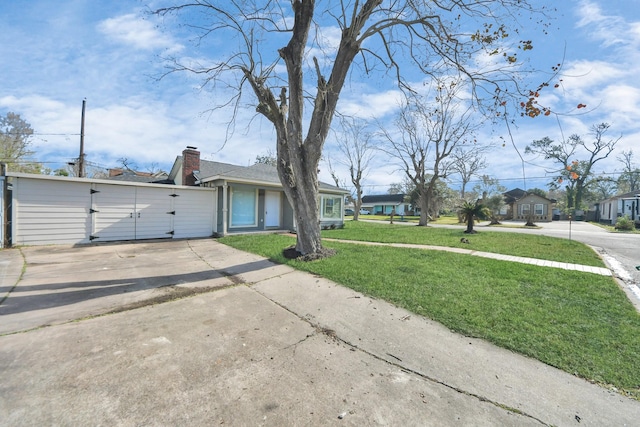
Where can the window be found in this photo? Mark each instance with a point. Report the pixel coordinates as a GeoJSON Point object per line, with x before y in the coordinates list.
{"type": "Point", "coordinates": [524, 209]}
{"type": "Point", "coordinates": [538, 209]}
{"type": "Point", "coordinates": [331, 207]}
{"type": "Point", "coordinates": [244, 207]}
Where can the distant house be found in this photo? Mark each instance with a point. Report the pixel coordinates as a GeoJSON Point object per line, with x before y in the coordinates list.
{"type": "Point", "coordinates": [384, 204]}
{"type": "Point", "coordinates": [120, 174]}
{"type": "Point", "coordinates": [251, 198]}
{"type": "Point", "coordinates": [522, 206]}
{"type": "Point", "coordinates": [608, 211]}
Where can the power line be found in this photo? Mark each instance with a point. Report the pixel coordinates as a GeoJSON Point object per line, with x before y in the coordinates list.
{"type": "Point", "coordinates": [38, 134]}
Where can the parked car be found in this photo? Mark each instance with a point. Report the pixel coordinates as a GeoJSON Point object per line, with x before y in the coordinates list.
{"type": "Point", "coordinates": [364, 212]}
{"type": "Point", "coordinates": [348, 212]}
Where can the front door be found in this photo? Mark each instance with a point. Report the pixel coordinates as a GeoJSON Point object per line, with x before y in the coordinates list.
{"type": "Point", "coordinates": [272, 209]}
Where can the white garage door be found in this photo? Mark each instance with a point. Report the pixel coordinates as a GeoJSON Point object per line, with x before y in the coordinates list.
{"type": "Point", "coordinates": [129, 213]}
{"type": "Point", "coordinates": [194, 212]}
{"type": "Point", "coordinates": [50, 212]}
{"type": "Point", "coordinates": [56, 210]}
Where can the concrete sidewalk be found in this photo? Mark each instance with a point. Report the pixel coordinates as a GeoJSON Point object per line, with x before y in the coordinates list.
{"type": "Point", "coordinates": [511, 258]}
{"type": "Point", "coordinates": [265, 345]}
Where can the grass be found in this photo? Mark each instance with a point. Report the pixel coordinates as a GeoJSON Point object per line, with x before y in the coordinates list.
{"type": "Point", "coordinates": [526, 245]}
{"type": "Point", "coordinates": [578, 322]}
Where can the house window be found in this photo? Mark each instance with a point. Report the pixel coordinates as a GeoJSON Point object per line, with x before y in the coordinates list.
{"type": "Point", "coordinates": [244, 207]}
{"type": "Point", "coordinates": [331, 207]}
{"type": "Point", "coordinates": [538, 209]}
{"type": "Point", "coordinates": [524, 209]}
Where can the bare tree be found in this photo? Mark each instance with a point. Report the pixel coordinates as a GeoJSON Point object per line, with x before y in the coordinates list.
{"type": "Point", "coordinates": [357, 149]}
{"type": "Point", "coordinates": [576, 174]}
{"type": "Point", "coordinates": [629, 179]}
{"type": "Point", "coordinates": [431, 37]}
{"type": "Point", "coordinates": [468, 162]}
{"type": "Point", "coordinates": [428, 132]}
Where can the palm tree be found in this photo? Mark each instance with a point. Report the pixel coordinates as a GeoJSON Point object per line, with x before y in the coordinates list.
{"type": "Point", "coordinates": [471, 211]}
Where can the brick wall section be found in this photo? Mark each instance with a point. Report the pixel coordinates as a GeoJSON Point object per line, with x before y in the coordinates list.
{"type": "Point", "coordinates": [190, 163]}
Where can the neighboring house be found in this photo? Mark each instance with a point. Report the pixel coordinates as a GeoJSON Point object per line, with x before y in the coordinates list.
{"type": "Point", "coordinates": [119, 174]}
{"type": "Point", "coordinates": [251, 198]}
{"type": "Point", "coordinates": [384, 204]}
{"type": "Point", "coordinates": [608, 211]}
{"type": "Point", "coordinates": [522, 206]}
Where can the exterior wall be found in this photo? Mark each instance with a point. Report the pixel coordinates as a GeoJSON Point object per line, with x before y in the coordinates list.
{"type": "Point", "coordinates": [286, 214]}
{"type": "Point", "coordinates": [50, 212]}
{"type": "Point", "coordinates": [288, 221]}
{"type": "Point", "coordinates": [609, 211]}
{"type": "Point", "coordinates": [530, 202]}
{"type": "Point", "coordinates": [58, 210]}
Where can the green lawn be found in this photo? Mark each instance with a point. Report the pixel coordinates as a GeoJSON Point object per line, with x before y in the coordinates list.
{"type": "Point", "coordinates": [579, 322]}
{"type": "Point", "coordinates": [527, 245]}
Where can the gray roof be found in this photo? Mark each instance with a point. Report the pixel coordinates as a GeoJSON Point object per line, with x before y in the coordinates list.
{"type": "Point", "coordinates": [379, 198]}
{"type": "Point", "coordinates": [258, 172]}
{"type": "Point", "coordinates": [163, 179]}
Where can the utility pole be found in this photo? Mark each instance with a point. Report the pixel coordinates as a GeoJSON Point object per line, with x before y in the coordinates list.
{"type": "Point", "coordinates": [81, 157]}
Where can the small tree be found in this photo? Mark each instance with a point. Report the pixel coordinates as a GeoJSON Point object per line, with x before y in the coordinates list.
{"type": "Point", "coordinates": [468, 162]}
{"type": "Point", "coordinates": [357, 149]}
{"type": "Point", "coordinates": [267, 159]}
{"type": "Point", "coordinates": [471, 211]}
{"type": "Point", "coordinates": [428, 130]}
{"type": "Point", "coordinates": [15, 142]}
{"type": "Point", "coordinates": [629, 179]}
{"type": "Point", "coordinates": [494, 204]}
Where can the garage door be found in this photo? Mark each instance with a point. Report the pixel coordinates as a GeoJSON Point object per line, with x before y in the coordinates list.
{"type": "Point", "coordinates": [194, 212]}
{"type": "Point", "coordinates": [129, 213]}
{"type": "Point", "coordinates": [50, 212]}
{"type": "Point", "coordinates": [57, 210]}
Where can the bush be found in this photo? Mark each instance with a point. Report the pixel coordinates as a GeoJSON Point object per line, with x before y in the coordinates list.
{"type": "Point", "coordinates": [624, 224]}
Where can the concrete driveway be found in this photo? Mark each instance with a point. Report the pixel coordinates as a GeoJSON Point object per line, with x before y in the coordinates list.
{"type": "Point", "coordinates": [92, 335]}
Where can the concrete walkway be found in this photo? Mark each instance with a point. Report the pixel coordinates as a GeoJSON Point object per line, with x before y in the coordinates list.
{"type": "Point", "coordinates": [93, 335]}
{"type": "Point", "coordinates": [511, 258]}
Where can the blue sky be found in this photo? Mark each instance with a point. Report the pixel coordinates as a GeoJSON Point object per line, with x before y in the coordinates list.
{"type": "Point", "coordinates": [57, 53]}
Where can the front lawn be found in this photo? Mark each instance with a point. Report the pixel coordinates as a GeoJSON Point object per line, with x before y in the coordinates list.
{"type": "Point", "coordinates": [579, 322]}
{"type": "Point", "coordinates": [526, 245]}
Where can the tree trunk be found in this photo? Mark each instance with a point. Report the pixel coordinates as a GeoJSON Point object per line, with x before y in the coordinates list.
{"type": "Point", "coordinates": [469, 224]}
{"type": "Point", "coordinates": [424, 209]}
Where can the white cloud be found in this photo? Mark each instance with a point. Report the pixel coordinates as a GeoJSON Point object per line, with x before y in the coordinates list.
{"type": "Point", "coordinates": [132, 30]}
{"type": "Point", "coordinates": [371, 105]}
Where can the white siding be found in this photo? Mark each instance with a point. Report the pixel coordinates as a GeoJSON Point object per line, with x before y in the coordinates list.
{"type": "Point", "coordinates": [195, 212]}
{"type": "Point", "coordinates": [152, 215]}
{"type": "Point", "coordinates": [113, 213]}
{"type": "Point", "coordinates": [50, 212]}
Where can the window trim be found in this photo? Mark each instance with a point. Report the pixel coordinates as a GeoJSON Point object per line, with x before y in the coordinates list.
{"type": "Point", "coordinates": [339, 211]}
{"type": "Point", "coordinates": [535, 209]}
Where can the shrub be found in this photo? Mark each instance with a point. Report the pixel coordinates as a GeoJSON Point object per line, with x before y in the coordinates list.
{"type": "Point", "coordinates": [624, 224]}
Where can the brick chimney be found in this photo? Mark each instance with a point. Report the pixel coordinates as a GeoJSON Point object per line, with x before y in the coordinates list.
{"type": "Point", "coordinates": [190, 163]}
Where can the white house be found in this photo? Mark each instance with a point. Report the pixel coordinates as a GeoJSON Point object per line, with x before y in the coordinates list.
{"type": "Point", "coordinates": [608, 211]}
